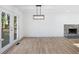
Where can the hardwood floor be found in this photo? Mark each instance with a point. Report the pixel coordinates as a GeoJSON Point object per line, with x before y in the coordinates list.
{"type": "Point", "coordinates": [47, 45]}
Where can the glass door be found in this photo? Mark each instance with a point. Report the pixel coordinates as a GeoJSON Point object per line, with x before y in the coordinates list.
{"type": "Point", "coordinates": [15, 27]}
{"type": "Point", "coordinates": [8, 29]}
{"type": "Point", "coordinates": [5, 33]}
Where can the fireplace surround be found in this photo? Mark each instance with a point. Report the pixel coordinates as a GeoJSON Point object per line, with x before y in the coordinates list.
{"type": "Point", "coordinates": [71, 30]}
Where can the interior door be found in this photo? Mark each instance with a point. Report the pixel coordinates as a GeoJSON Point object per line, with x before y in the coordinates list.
{"type": "Point", "coordinates": [5, 32]}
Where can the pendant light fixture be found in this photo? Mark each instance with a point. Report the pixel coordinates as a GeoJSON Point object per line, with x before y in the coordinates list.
{"type": "Point", "coordinates": [38, 15]}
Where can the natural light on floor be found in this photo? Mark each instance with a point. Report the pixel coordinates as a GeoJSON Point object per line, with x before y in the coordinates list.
{"type": "Point", "coordinates": [76, 44]}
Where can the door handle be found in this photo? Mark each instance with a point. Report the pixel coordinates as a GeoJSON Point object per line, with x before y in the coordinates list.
{"type": "Point", "coordinates": [11, 29]}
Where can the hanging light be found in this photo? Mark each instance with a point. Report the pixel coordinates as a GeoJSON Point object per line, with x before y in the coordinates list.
{"type": "Point", "coordinates": [38, 15]}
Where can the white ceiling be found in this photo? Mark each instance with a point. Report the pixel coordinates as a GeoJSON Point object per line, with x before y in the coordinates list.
{"type": "Point", "coordinates": [54, 8]}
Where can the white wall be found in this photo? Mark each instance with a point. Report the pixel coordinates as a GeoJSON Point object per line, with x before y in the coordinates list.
{"type": "Point", "coordinates": [53, 25]}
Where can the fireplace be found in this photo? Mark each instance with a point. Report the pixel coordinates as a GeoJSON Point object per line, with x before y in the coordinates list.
{"type": "Point", "coordinates": [72, 31]}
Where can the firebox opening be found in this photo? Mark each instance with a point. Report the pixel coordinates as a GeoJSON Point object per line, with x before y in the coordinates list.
{"type": "Point", "coordinates": [73, 31]}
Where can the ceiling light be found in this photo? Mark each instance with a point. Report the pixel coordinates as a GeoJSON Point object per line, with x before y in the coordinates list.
{"type": "Point", "coordinates": [38, 15]}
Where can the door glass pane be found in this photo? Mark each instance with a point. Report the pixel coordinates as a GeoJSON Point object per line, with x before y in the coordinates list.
{"type": "Point", "coordinates": [15, 27]}
{"type": "Point", "coordinates": [5, 28]}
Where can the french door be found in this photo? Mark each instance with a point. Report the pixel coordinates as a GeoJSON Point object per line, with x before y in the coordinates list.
{"type": "Point", "coordinates": [15, 27]}
{"type": "Point", "coordinates": [5, 29]}
{"type": "Point", "coordinates": [8, 29]}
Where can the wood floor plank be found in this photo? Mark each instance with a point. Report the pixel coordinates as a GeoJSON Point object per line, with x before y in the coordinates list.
{"type": "Point", "coordinates": [45, 45]}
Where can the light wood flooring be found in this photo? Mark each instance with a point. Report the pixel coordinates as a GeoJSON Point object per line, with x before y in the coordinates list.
{"type": "Point", "coordinates": [45, 45]}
